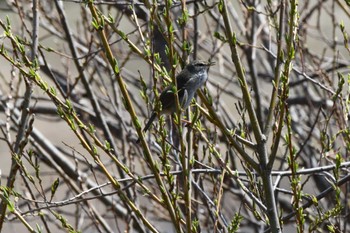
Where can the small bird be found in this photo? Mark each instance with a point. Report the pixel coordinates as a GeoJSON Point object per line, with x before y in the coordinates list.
{"type": "Point", "coordinates": [188, 81]}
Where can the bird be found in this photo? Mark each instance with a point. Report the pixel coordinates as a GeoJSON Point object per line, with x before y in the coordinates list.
{"type": "Point", "coordinates": [188, 81]}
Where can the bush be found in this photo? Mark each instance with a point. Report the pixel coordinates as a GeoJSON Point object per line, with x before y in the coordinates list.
{"type": "Point", "coordinates": [262, 148]}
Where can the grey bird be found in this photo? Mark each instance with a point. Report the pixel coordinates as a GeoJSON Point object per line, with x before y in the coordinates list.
{"type": "Point", "coordinates": [189, 80]}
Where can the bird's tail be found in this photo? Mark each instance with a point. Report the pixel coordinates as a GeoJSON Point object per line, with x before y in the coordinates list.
{"type": "Point", "coordinates": [150, 121]}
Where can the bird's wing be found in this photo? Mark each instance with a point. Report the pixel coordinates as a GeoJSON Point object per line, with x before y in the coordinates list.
{"type": "Point", "coordinates": [167, 98]}
{"type": "Point", "coordinates": [183, 102]}
{"type": "Point", "coordinates": [181, 80]}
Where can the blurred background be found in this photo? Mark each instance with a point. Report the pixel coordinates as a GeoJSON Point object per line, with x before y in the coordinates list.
{"type": "Point", "coordinates": [69, 157]}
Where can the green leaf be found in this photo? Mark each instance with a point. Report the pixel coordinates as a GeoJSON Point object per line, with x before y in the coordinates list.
{"type": "Point", "coordinates": [91, 128]}
{"type": "Point", "coordinates": [10, 205]}
{"type": "Point", "coordinates": [138, 124]}
{"type": "Point", "coordinates": [220, 37]}
{"type": "Point", "coordinates": [234, 39]}
{"type": "Point", "coordinates": [183, 18]}
{"type": "Point", "coordinates": [53, 91]}
{"type": "Point", "coordinates": [341, 25]}
{"type": "Point", "coordinates": [94, 150]}
{"type": "Point", "coordinates": [116, 66]}
{"type": "Point", "coordinates": [103, 23]}
{"type": "Point", "coordinates": [54, 187]}
{"type": "Point", "coordinates": [110, 19]}
{"type": "Point", "coordinates": [60, 111]}
{"type": "Point", "coordinates": [187, 46]}
{"type": "Point", "coordinates": [107, 145]}
{"type": "Point", "coordinates": [341, 82]}
{"type": "Point", "coordinates": [95, 24]}
{"type": "Point", "coordinates": [122, 35]}
{"type": "Point", "coordinates": [69, 104]}
{"type": "Point", "coordinates": [221, 6]}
